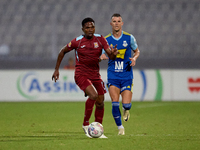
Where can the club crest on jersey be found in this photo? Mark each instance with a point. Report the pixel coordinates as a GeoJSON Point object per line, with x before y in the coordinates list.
{"type": "Point", "coordinates": [69, 44]}
{"type": "Point", "coordinates": [96, 45]}
{"type": "Point", "coordinates": [125, 43]}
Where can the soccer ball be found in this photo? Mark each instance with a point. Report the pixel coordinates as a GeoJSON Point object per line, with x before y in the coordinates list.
{"type": "Point", "coordinates": [95, 129]}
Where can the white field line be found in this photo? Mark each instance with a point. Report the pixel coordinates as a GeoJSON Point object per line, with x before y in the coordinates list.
{"type": "Point", "coordinates": [167, 135]}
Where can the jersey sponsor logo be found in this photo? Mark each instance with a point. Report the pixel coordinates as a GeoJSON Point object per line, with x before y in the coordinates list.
{"type": "Point", "coordinates": [121, 53]}
{"type": "Point", "coordinates": [125, 44]}
{"type": "Point", "coordinates": [119, 66]}
{"type": "Point", "coordinates": [96, 45]}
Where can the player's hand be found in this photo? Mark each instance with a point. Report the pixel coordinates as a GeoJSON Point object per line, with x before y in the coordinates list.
{"type": "Point", "coordinates": [103, 57]}
{"type": "Point", "coordinates": [55, 75]}
{"type": "Point", "coordinates": [114, 50]}
{"type": "Point", "coordinates": [132, 61]}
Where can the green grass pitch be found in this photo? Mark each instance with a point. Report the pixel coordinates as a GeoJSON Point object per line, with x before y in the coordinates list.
{"type": "Point", "coordinates": [58, 126]}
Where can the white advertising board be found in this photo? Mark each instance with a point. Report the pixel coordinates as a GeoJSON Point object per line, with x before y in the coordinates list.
{"type": "Point", "coordinates": [186, 85]}
{"type": "Point", "coordinates": [149, 85]}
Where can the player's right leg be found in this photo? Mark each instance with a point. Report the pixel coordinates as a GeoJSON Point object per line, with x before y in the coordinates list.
{"type": "Point", "coordinates": [89, 105]}
{"type": "Point", "coordinates": [85, 129]}
{"type": "Point", "coordinates": [86, 85]}
{"type": "Point", "coordinates": [117, 117]}
{"type": "Point", "coordinates": [114, 94]}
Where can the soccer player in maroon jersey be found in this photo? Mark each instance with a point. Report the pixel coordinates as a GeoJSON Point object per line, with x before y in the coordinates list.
{"type": "Point", "coordinates": [88, 49]}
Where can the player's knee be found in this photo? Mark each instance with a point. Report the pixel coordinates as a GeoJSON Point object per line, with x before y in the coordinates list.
{"type": "Point", "coordinates": [99, 104]}
{"type": "Point", "coordinates": [93, 96]}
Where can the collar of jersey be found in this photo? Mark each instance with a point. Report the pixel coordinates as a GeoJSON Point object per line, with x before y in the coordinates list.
{"type": "Point", "coordinates": [116, 38]}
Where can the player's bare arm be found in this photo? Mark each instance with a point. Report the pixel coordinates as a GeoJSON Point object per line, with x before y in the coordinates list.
{"type": "Point", "coordinates": [103, 57]}
{"type": "Point", "coordinates": [61, 54]}
{"type": "Point", "coordinates": [134, 58]}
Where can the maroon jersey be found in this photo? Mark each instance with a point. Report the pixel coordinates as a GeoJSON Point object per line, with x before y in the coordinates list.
{"type": "Point", "coordinates": [87, 52]}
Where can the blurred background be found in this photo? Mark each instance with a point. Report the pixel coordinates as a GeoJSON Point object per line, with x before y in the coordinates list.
{"type": "Point", "coordinates": [33, 31]}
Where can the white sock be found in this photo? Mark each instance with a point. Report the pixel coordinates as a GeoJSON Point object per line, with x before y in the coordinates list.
{"type": "Point", "coordinates": [119, 127]}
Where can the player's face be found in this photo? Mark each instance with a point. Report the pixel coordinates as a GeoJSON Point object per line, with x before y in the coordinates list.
{"type": "Point", "coordinates": [116, 23]}
{"type": "Point", "coordinates": [89, 29]}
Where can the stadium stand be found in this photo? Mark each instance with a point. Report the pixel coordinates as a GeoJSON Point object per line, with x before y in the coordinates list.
{"type": "Point", "coordinates": [33, 32]}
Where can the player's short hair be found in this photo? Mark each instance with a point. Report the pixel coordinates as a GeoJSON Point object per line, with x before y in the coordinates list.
{"type": "Point", "coordinates": [88, 19]}
{"type": "Point", "coordinates": [116, 15]}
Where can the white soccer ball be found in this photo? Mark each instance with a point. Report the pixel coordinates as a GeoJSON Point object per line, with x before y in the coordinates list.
{"type": "Point", "coordinates": [95, 129]}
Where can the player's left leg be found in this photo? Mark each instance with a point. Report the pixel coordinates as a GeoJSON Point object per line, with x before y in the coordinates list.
{"type": "Point", "coordinates": [126, 99]}
{"type": "Point", "coordinates": [126, 104]}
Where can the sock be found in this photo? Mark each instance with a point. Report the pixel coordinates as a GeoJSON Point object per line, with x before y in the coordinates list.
{"type": "Point", "coordinates": [127, 106]}
{"type": "Point", "coordinates": [119, 127]}
{"type": "Point", "coordinates": [99, 112]}
{"type": "Point", "coordinates": [116, 113]}
{"type": "Point", "coordinates": [89, 104]}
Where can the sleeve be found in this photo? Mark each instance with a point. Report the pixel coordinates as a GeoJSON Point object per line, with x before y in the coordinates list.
{"type": "Point", "coordinates": [103, 51]}
{"type": "Point", "coordinates": [72, 44]}
{"type": "Point", "coordinates": [133, 43]}
{"type": "Point", "coordinates": [104, 43]}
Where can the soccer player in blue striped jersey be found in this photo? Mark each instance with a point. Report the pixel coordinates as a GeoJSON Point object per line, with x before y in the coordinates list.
{"type": "Point", "coordinates": [120, 73]}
